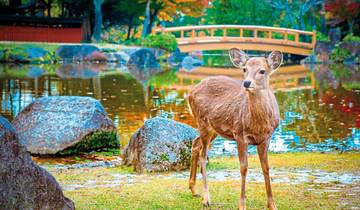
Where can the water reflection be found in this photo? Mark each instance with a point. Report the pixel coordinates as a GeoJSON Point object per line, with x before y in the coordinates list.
{"type": "Point", "coordinates": [320, 108]}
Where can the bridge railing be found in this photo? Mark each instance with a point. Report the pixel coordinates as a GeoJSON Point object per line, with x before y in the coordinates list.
{"type": "Point", "coordinates": [241, 33]}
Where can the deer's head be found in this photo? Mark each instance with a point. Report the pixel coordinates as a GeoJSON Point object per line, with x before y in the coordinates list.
{"type": "Point", "coordinates": [257, 69]}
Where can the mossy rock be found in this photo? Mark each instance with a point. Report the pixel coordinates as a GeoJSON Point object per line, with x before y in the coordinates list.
{"type": "Point", "coordinates": [93, 141]}
{"type": "Point", "coordinates": [26, 54]}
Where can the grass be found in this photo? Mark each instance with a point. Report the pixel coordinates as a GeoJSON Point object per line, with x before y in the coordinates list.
{"type": "Point", "coordinates": [51, 47]}
{"type": "Point", "coordinates": [331, 162]}
{"type": "Point", "coordinates": [173, 193]}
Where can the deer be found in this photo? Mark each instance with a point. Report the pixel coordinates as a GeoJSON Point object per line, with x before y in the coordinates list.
{"type": "Point", "coordinates": [245, 111]}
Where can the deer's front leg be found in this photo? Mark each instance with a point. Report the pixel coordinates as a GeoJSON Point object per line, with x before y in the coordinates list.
{"type": "Point", "coordinates": [195, 152]}
{"type": "Point", "coordinates": [263, 156]}
{"type": "Point", "coordinates": [203, 158]}
{"type": "Point", "coordinates": [242, 147]}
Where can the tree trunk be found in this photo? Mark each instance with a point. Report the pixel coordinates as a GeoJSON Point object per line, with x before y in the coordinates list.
{"type": "Point", "coordinates": [49, 8]}
{"type": "Point", "coordinates": [350, 25]}
{"type": "Point", "coordinates": [152, 21]}
{"type": "Point", "coordinates": [98, 20]}
{"type": "Point", "coordinates": [146, 19]}
{"type": "Point", "coordinates": [130, 25]}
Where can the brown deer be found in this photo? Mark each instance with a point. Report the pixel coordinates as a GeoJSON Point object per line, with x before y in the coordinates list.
{"type": "Point", "coordinates": [245, 111]}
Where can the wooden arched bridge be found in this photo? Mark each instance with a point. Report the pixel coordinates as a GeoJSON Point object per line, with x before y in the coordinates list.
{"type": "Point", "coordinates": [245, 37]}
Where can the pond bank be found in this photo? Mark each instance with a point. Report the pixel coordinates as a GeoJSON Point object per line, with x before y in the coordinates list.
{"type": "Point", "coordinates": [322, 181]}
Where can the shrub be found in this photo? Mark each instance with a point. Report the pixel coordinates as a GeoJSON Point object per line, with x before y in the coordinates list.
{"type": "Point", "coordinates": [162, 41]}
{"type": "Point", "coordinates": [351, 38]}
{"type": "Point", "coordinates": [322, 37]}
{"type": "Point", "coordinates": [339, 54]}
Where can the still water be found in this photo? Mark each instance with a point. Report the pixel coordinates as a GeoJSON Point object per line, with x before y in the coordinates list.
{"type": "Point", "coordinates": [319, 105]}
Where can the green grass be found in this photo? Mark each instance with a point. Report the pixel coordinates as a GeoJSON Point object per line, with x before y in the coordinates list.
{"type": "Point", "coordinates": [333, 162]}
{"type": "Point", "coordinates": [173, 193]}
{"type": "Point", "coordinates": [51, 47]}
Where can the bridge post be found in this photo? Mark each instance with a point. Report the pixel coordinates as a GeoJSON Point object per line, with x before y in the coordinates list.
{"type": "Point", "coordinates": [297, 37]}
{"type": "Point", "coordinates": [224, 34]}
{"type": "Point", "coordinates": [313, 41]}
{"type": "Point", "coordinates": [241, 32]}
{"type": "Point", "coordinates": [193, 35]}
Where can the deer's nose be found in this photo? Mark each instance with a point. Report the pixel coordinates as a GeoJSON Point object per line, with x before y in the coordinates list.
{"type": "Point", "coordinates": [247, 84]}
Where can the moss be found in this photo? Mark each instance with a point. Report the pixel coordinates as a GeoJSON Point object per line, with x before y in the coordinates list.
{"type": "Point", "coordinates": [93, 141]}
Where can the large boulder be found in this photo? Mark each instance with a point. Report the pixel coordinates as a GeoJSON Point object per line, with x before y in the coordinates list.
{"type": "Point", "coordinates": [175, 59]}
{"type": "Point", "coordinates": [69, 53]}
{"type": "Point", "coordinates": [23, 184]}
{"type": "Point", "coordinates": [160, 145]}
{"type": "Point", "coordinates": [65, 125]}
{"type": "Point", "coordinates": [143, 58]}
{"type": "Point", "coordinates": [189, 63]}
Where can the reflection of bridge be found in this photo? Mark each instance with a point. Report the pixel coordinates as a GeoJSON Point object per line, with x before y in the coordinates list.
{"type": "Point", "coordinates": [223, 37]}
{"type": "Point", "coordinates": [286, 78]}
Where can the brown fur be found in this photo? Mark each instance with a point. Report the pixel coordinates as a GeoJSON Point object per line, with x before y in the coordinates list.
{"type": "Point", "coordinates": [223, 106]}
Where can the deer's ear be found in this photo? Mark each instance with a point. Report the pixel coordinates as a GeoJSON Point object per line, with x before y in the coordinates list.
{"type": "Point", "coordinates": [275, 59]}
{"type": "Point", "coordinates": [238, 57]}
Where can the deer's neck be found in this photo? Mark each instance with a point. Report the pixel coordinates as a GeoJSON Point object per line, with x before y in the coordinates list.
{"type": "Point", "coordinates": [261, 111]}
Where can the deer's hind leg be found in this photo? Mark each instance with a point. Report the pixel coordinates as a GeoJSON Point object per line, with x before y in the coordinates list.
{"type": "Point", "coordinates": [195, 152]}
{"type": "Point", "coordinates": [206, 138]}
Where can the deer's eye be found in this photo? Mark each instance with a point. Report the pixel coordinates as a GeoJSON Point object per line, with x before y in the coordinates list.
{"type": "Point", "coordinates": [262, 72]}
{"type": "Point", "coordinates": [244, 69]}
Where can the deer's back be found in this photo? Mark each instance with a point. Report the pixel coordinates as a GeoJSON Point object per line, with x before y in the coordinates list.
{"type": "Point", "coordinates": [218, 102]}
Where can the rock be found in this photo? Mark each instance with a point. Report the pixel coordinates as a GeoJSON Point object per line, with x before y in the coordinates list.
{"type": "Point", "coordinates": [35, 72]}
{"type": "Point", "coordinates": [176, 58]}
{"type": "Point", "coordinates": [71, 53]}
{"type": "Point", "coordinates": [65, 125]}
{"type": "Point", "coordinates": [27, 54]}
{"type": "Point", "coordinates": [190, 63]}
{"type": "Point", "coordinates": [335, 35]}
{"type": "Point", "coordinates": [23, 184]}
{"type": "Point", "coordinates": [119, 57]}
{"type": "Point", "coordinates": [82, 70]}
{"type": "Point", "coordinates": [143, 58]}
{"type": "Point", "coordinates": [323, 50]}
{"type": "Point", "coordinates": [96, 57]}
{"type": "Point", "coordinates": [160, 145]}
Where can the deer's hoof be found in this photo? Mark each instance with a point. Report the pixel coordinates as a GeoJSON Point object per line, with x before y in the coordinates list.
{"type": "Point", "coordinates": [272, 206]}
{"type": "Point", "coordinates": [206, 204]}
{"type": "Point", "coordinates": [241, 207]}
{"type": "Point", "coordinates": [196, 195]}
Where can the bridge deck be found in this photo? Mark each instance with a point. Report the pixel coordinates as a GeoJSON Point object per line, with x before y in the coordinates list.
{"type": "Point", "coordinates": [216, 37]}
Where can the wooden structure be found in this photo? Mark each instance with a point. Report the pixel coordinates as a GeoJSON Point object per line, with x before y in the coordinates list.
{"type": "Point", "coordinates": [245, 37]}
{"type": "Point", "coordinates": [42, 29]}
{"type": "Point", "coordinates": [286, 78]}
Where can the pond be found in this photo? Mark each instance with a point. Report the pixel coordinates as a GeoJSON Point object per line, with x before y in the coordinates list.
{"type": "Point", "coordinates": [319, 104]}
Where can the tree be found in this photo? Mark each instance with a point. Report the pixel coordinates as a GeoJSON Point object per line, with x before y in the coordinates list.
{"type": "Point", "coordinates": [342, 11]}
{"type": "Point", "coordinates": [241, 12]}
{"type": "Point", "coordinates": [146, 19]}
{"type": "Point", "coordinates": [98, 20]}
{"type": "Point", "coordinates": [166, 10]}
{"type": "Point", "coordinates": [295, 11]}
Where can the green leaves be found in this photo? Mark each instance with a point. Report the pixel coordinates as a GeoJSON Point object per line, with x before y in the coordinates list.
{"type": "Point", "coordinates": [162, 41]}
